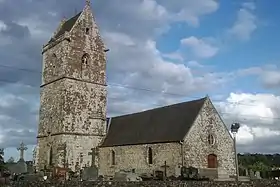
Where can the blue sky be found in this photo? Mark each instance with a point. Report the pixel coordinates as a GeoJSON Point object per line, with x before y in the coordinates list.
{"type": "Point", "coordinates": [185, 49]}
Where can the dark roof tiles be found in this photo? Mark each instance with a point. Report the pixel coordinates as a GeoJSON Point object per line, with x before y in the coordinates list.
{"type": "Point", "coordinates": [67, 26]}
{"type": "Point", "coordinates": [166, 124]}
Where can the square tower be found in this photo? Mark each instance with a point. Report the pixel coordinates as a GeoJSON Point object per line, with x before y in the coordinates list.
{"type": "Point", "coordinates": [72, 117]}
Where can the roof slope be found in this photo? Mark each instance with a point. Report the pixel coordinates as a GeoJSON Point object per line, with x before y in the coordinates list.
{"type": "Point", "coordinates": [68, 25]}
{"type": "Point", "coordinates": [167, 124]}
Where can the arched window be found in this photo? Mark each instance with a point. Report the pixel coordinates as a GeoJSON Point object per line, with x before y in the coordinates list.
{"type": "Point", "coordinates": [85, 58]}
{"type": "Point", "coordinates": [211, 139]}
{"type": "Point", "coordinates": [85, 65]}
{"type": "Point", "coordinates": [150, 155]}
{"type": "Point", "coordinates": [113, 157]}
{"type": "Point", "coordinates": [87, 31]}
{"type": "Point", "coordinates": [212, 161]}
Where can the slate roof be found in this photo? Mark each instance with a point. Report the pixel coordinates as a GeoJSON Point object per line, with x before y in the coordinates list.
{"type": "Point", "coordinates": [67, 26]}
{"type": "Point", "coordinates": [160, 125]}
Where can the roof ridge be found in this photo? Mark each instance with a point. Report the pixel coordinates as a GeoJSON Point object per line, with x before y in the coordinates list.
{"type": "Point", "coordinates": [162, 107]}
{"type": "Point", "coordinates": [67, 25]}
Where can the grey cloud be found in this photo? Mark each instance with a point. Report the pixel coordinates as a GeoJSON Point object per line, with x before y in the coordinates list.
{"type": "Point", "coordinates": [15, 30]}
{"type": "Point", "coordinates": [261, 145]}
{"type": "Point", "coordinates": [268, 76]}
{"type": "Point", "coordinates": [13, 138]}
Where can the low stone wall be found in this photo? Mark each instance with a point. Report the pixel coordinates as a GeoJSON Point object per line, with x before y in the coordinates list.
{"type": "Point", "coordinates": [259, 183]}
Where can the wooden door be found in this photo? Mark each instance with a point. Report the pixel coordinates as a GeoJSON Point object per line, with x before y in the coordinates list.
{"type": "Point", "coordinates": [212, 161]}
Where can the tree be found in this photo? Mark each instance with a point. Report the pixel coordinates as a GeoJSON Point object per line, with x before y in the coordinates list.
{"type": "Point", "coordinates": [2, 163]}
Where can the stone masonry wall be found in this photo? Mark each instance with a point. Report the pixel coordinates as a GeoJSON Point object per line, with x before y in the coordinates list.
{"type": "Point", "coordinates": [86, 42]}
{"type": "Point", "coordinates": [136, 157]}
{"type": "Point", "coordinates": [73, 96]}
{"type": "Point", "coordinates": [261, 183]}
{"type": "Point", "coordinates": [196, 146]}
{"type": "Point", "coordinates": [77, 111]}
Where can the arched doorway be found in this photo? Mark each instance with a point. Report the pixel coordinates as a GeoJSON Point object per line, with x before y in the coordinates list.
{"type": "Point", "coordinates": [212, 161]}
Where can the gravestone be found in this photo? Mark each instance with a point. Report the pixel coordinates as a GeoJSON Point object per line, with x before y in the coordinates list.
{"type": "Point", "coordinates": [193, 172]}
{"type": "Point", "coordinates": [251, 174]}
{"type": "Point", "coordinates": [177, 171]}
{"type": "Point", "coordinates": [258, 175]}
{"type": "Point", "coordinates": [246, 173]}
{"type": "Point", "coordinates": [126, 176]}
{"type": "Point", "coordinates": [90, 173]}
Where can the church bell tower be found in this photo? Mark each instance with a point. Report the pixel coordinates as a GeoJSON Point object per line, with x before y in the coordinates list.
{"type": "Point", "coordinates": [72, 117]}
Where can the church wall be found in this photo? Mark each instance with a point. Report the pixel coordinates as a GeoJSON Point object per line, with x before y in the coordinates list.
{"type": "Point", "coordinates": [78, 112]}
{"type": "Point", "coordinates": [70, 150]}
{"type": "Point", "coordinates": [84, 108]}
{"type": "Point", "coordinates": [54, 64]}
{"type": "Point", "coordinates": [197, 148]}
{"type": "Point", "coordinates": [51, 104]}
{"type": "Point", "coordinates": [136, 157]}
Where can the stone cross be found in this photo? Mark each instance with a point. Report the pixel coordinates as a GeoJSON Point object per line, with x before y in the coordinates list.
{"type": "Point", "coordinates": [22, 148]}
{"type": "Point", "coordinates": [93, 154]}
{"type": "Point", "coordinates": [88, 2]}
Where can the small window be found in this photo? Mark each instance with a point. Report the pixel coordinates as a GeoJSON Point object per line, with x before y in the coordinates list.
{"type": "Point", "coordinates": [85, 58]}
{"type": "Point", "coordinates": [211, 139]}
{"type": "Point", "coordinates": [150, 155]}
{"type": "Point", "coordinates": [87, 30]}
{"type": "Point", "coordinates": [113, 155]}
{"type": "Point", "coordinates": [51, 156]}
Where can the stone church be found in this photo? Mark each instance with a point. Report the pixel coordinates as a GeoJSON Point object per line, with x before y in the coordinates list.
{"type": "Point", "coordinates": [74, 131]}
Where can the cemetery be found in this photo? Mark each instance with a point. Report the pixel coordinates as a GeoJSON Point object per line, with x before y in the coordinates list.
{"type": "Point", "coordinates": [22, 173]}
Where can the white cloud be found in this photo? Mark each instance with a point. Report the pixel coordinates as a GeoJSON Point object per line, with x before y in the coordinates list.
{"type": "Point", "coordinates": [271, 78]}
{"type": "Point", "coordinates": [258, 115]}
{"type": "Point", "coordinates": [142, 65]}
{"type": "Point", "coordinates": [195, 64]}
{"type": "Point", "coordinates": [3, 26]}
{"type": "Point", "coordinates": [189, 11]}
{"type": "Point", "coordinates": [119, 38]}
{"type": "Point", "coordinates": [176, 56]}
{"type": "Point", "coordinates": [268, 75]}
{"type": "Point", "coordinates": [249, 5]}
{"type": "Point", "coordinates": [245, 24]}
{"type": "Point", "coordinates": [244, 135]}
{"type": "Point", "coordinates": [200, 47]}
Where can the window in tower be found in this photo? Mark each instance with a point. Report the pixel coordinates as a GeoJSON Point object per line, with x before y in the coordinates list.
{"type": "Point", "coordinates": [85, 58]}
{"type": "Point", "coordinates": [87, 31]}
{"type": "Point", "coordinates": [85, 70]}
